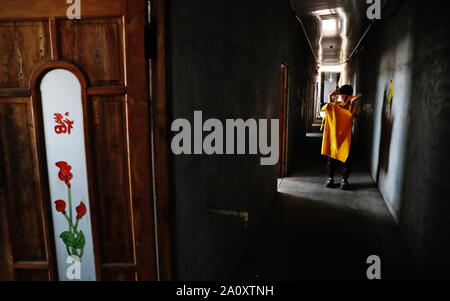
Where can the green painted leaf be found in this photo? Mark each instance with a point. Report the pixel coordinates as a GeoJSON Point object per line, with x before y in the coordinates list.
{"type": "Point", "coordinates": [67, 238]}
{"type": "Point", "coordinates": [79, 241]}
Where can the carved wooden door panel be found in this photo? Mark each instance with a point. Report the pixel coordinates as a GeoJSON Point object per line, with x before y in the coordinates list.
{"type": "Point", "coordinates": [105, 51]}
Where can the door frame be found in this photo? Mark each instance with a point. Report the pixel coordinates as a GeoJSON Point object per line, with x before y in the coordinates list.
{"type": "Point", "coordinates": [164, 216]}
{"type": "Point", "coordinates": [284, 116]}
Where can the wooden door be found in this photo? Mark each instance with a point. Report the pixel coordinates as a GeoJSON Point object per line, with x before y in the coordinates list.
{"type": "Point", "coordinates": [105, 50]}
{"type": "Point", "coordinates": [283, 120]}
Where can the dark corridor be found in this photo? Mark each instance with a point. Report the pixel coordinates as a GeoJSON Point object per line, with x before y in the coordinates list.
{"type": "Point", "coordinates": [312, 233]}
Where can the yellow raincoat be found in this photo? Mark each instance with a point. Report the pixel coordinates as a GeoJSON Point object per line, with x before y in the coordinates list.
{"type": "Point", "coordinates": [338, 129]}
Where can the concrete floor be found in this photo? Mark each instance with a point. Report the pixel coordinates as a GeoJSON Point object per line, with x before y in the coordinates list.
{"type": "Point", "coordinates": [316, 233]}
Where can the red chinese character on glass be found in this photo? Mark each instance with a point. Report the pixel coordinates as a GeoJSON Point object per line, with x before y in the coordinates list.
{"type": "Point", "coordinates": [64, 126]}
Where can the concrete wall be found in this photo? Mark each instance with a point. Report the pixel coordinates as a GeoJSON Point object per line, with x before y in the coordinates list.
{"type": "Point", "coordinates": [225, 59]}
{"type": "Point", "coordinates": [406, 142]}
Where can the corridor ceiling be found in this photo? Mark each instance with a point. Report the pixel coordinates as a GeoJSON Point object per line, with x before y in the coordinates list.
{"type": "Point", "coordinates": [334, 27]}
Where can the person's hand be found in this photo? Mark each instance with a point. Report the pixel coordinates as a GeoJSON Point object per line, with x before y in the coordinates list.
{"type": "Point", "coordinates": [357, 97]}
{"type": "Point", "coordinates": [334, 92]}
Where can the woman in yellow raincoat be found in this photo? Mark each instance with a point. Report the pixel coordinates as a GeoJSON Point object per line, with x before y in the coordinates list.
{"type": "Point", "coordinates": [337, 136]}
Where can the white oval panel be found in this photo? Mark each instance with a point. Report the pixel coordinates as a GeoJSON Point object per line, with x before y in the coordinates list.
{"type": "Point", "coordinates": [66, 161]}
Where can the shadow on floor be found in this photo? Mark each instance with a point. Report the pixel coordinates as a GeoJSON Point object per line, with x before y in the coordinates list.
{"type": "Point", "coordinates": [315, 233]}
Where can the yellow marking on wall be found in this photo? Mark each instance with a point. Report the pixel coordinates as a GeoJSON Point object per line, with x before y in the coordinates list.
{"type": "Point", "coordinates": [390, 93]}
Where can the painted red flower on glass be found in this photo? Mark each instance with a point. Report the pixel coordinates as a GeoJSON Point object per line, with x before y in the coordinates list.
{"type": "Point", "coordinates": [64, 172]}
{"type": "Point", "coordinates": [60, 206]}
{"type": "Point", "coordinates": [81, 210]}
{"type": "Point", "coordinates": [73, 238]}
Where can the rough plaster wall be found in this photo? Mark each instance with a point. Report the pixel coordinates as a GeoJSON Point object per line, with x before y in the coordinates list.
{"type": "Point", "coordinates": [387, 54]}
{"type": "Point", "coordinates": [295, 51]}
{"type": "Point", "coordinates": [425, 214]}
{"type": "Point", "coordinates": [407, 146]}
{"type": "Point", "coordinates": [225, 59]}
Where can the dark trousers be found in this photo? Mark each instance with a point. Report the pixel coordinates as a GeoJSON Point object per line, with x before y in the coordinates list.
{"type": "Point", "coordinates": [346, 170]}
